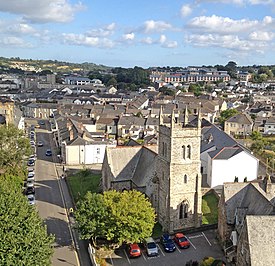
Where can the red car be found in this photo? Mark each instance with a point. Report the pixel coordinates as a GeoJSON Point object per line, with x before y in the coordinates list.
{"type": "Point", "coordinates": [134, 250]}
{"type": "Point", "coordinates": [182, 240]}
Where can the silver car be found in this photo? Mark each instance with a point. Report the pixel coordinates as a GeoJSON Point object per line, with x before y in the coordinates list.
{"type": "Point", "coordinates": [151, 247]}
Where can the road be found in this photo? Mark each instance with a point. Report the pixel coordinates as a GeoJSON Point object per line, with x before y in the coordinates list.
{"type": "Point", "coordinates": [50, 203]}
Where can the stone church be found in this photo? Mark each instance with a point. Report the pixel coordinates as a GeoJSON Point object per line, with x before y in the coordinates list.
{"type": "Point", "coordinates": [169, 174]}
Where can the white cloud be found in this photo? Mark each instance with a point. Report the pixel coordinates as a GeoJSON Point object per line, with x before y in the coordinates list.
{"type": "Point", "coordinates": [170, 44]}
{"type": "Point", "coordinates": [16, 42]}
{"type": "Point", "coordinates": [261, 2]}
{"type": "Point", "coordinates": [147, 40]}
{"type": "Point", "coordinates": [129, 36]}
{"type": "Point", "coordinates": [185, 10]}
{"type": "Point", "coordinates": [162, 38]}
{"type": "Point", "coordinates": [151, 26]}
{"type": "Point", "coordinates": [261, 36]}
{"type": "Point", "coordinates": [231, 42]}
{"type": "Point", "coordinates": [223, 25]}
{"type": "Point", "coordinates": [102, 32]}
{"type": "Point", "coordinates": [84, 40]}
{"type": "Point", "coordinates": [42, 11]}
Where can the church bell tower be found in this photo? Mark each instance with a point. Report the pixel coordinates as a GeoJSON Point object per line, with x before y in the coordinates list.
{"type": "Point", "coordinates": [178, 171]}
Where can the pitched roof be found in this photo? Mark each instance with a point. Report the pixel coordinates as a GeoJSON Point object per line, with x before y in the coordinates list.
{"type": "Point", "coordinates": [225, 153]}
{"type": "Point", "coordinates": [241, 119]}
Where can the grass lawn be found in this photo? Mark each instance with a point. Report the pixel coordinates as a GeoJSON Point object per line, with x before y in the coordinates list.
{"type": "Point", "coordinates": [82, 182]}
{"type": "Point", "coordinates": [209, 209]}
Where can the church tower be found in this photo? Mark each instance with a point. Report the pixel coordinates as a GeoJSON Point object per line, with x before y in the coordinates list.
{"type": "Point", "coordinates": [178, 171]}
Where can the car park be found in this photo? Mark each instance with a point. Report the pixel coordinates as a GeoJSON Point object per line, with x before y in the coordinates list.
{"type": "Point", "coordinates": [182, 240]}
{"type": "Point", "coordinates": [31, 199]}
{"type": "Point", "coordinates": [29, 191]}
{"type": "Point", "coordinates": [40, 143]}
{"type": "Point", "coordinates": [167, 243]}
{"type": "Point", "coordinates": [31, 162]}
{"type": "Point", "coordinates": [48, 152]}
{"type": "Point", "coordinates": [151, 247]}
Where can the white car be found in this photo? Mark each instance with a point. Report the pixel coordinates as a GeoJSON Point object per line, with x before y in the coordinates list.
{"type": "Point", "coordinates": [33, 156]}
{"type": "Point", "coordinates": [31, 176]}
{"type": "Point", "coordinates": [31, 199]}
{"type": "Point", "coordinates": [30, 183]}
{"type": "Point", "coordinates": [40, 143]}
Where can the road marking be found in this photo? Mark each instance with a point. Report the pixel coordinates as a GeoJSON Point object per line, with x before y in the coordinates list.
{"type": "Point", "coordinates": [196, 236]}
{"type": "Point", "coordinates": [111, 259]}
{"type": "Point", "coordinates": [160, 250]}
{"type": "Point", "coordinates": [143, 256]}
{"type": "Point", "coordinates": [206, 239]}
{"type": "Point", "coordinates": [190, 242]}
{"type": "Point", "coordinates": [178, 249]}
{"type": "Point", "coordinates": [126, 256]}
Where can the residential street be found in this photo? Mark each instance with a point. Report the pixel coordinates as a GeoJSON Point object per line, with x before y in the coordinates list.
{"type": "Point", "coordinates": [50, 204]}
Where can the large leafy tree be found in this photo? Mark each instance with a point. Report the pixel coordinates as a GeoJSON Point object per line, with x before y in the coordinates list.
{"type": "Point", "coordinates": [120, 217]}
{"type": "Point", "coordinates": [24, 239]}
{"type": "Point", "coordinates": [226, 114]}
{"type": "Point", "coordinates": [14, 149]}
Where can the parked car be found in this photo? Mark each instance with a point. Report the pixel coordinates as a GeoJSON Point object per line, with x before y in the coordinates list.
{"type": "Point", "coordinates": [41, 123]}
{"type": "Point", "coordinates": [31, 199]}
{"type": "Point", "coordinates": [29, 191]}
{"type": "Point", "coordinates": [31, 176]}
{"type": "Point", "coordinates": [151, 247]}
{"type": "Point", "coordinates": [49, 152]}
{"type": "Point", "coordinates": [134, 250]}
{"type": "Point", "coordinates": [167, 243]}
{"type": "Point", "coordinates": [40, 143]}
{"type": "Point", "coordinates": [37, 126]}
{"type": "Point", "coordinates": [32, 157]}
{"type": "Point", "coordinates": [30, 183]}
{"type": "Point", "coordinates": [182, 240]}
{"type": "Point", "coordinates": [31, 162]}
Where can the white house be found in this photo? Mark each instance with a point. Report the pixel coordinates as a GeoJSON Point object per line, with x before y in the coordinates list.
{"type": "Point", "coordinates": [223, 158]}
{"type": "Point", "coordinates": [229, 163]}
{"type": "Point", "coordinates": [83, 152]}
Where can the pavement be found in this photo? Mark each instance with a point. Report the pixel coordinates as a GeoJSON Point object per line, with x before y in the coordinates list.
{"type": "Point", "coordinates": [80, 246]}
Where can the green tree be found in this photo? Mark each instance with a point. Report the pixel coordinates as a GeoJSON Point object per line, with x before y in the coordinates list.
{"type": "Point", "coordinates": [226, 114]}
{"type": "Point", "coordinates": [14, 149]}
{"type": "Point", "coordinates": [24, 239]}
{"type": "Point", "coordinates": [119, 217]}
{"type": "Point", "coordinates": [92, 216]}
{"type": "Point", "coordinates": [256, 135]}
{"type": "Point", "coordinates": [207, 261]}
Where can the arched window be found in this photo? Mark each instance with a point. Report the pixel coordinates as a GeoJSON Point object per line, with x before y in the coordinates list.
{"type": "Point", "coordinates": [183, 211]}
{"type": "Point", "coordinates": [186, 210]}
{"type": "Point", "coordinates": [183, 152]}
{"type": "Point", "coordinates": [188, 152]}
{"type": "Point", "coordinates": [185, 179]}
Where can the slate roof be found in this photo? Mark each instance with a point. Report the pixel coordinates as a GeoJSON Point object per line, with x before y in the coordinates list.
{"type": "Point", "coordinates": [225, 153]}
{"type": "Point", "coordinates": [134, 163]}
{"type": "Point", "coordinates": [219, 138]}
{"type": "Point", "coordinates": [245, 195]}
{"type": "Point", "coordinates": [240, 119]}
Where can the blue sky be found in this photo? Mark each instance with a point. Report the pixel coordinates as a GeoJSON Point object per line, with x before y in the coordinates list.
{"type": "Point", "coordinates": [144, 33]}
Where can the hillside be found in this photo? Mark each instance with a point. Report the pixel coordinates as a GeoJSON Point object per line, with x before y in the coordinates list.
{"type": "Point", "coordinates": [16, 64]}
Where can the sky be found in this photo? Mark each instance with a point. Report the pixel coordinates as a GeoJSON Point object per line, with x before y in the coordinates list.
{"type": "Point", "coordinates": [145, 33]}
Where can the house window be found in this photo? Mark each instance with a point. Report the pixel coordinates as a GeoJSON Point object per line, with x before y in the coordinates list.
{"type": "Point", "coordinates": [185, 179]}
{"type": "Point", "coordinates": [188, 152]}
{"type": "Point", "coordinates": [183, 152]}
{"type": "Point", "coordinates": [163, 148]}
{"type": "Point", "coordinates": [97, 150]}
